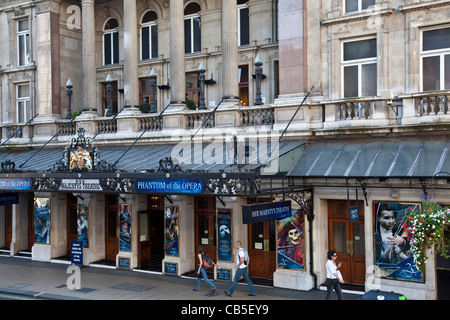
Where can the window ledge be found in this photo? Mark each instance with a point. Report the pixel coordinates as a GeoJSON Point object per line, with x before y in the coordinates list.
{"type": "Point", "coordinates": [364, 15]}
{"type": "Point", "coordinates": [424, 6]}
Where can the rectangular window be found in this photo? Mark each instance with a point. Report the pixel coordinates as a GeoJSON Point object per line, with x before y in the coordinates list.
{"type": "Point", "coordinates": [111, 48]}
{"type": "Point", "coordinates": [192, 34]}
{"type": "Point", "coordinates": [243, 25]}
{"type": "Point", "coordinates": [357, 5]}
{"type": "Point", "coordinates": [360, 68]}
{"type": "Point", "coordinates": [149, 42]}
{"type": "Point", "coordinates": [436, 59]}
{"type": "Point", "coordinates": [23, 43]}
{"type": "Point", "coordinates": [23, 103]}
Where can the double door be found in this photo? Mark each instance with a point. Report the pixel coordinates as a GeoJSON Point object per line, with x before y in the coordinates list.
{"type": "Point", "coordinates": [8, 225]}
{"type": "Point", "coordinates": [206, 227]}
{"type": "Point", "coordinates": [262, 249]}
{"type": "Point", "coordinates": [348, 239]}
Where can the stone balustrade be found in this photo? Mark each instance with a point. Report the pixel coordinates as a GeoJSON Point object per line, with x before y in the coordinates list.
{"type": "Point", "coordinates": [373, 112]}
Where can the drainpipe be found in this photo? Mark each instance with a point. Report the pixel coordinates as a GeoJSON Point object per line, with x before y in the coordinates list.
{"type": "Point", "coordinates": [310, 217]}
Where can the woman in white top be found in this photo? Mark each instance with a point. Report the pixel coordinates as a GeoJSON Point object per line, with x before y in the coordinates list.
{"type": "Point", "coordinates": [333, 275]}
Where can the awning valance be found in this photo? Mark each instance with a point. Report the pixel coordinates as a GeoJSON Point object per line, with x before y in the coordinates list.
{"type": "Point", "coordinates": [147, 158]}
{"type": "Point", "coordinates": [374, 159]}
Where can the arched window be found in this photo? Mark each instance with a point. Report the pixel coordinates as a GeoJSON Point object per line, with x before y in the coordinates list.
{"type": "Point", "coordinates": [149, 36]}
{"type": "Point", "coordinates": [111, 42]}
{"type": "Point", "coordinates": [243, 23]}
{"type": "Point", "coordinates": [192, 31]}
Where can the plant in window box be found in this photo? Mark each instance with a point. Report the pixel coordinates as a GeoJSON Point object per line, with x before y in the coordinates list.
{"type": "Point", "coordinates": [427, 227]}
{"type": "Point", "coordinates": [145, 107]}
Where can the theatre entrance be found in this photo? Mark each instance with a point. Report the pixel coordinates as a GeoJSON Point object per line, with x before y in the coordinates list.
{"type": "Point", "coordinates": [151, 234]}
{"type": "Point", "coordinates": [8, 225]}
{"type": "Point", "coordinates": [205, 226]}
{"type": "Point", "coordinates": [348, 239]}
{"type": "Point", "coordinates": [262, 249]}
{"type": "Point", "coordinates": [112, 227]}
{"type": "Point", "coordinates": [72, 225]}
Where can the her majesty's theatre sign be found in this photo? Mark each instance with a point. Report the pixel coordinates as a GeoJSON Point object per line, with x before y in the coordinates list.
{"type": "Point", "coordinates": [254, 213]}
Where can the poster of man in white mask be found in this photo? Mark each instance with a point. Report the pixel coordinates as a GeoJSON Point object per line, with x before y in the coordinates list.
{"type": "Point", "coordinates": [393, 256]}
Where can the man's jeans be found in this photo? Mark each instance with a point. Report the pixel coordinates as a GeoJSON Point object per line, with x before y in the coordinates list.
{"type": "Point", "coordinates": [237, 276]}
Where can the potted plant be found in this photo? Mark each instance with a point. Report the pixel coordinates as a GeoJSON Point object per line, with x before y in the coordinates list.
{"type": "Point", "coordinates": [427, 227]}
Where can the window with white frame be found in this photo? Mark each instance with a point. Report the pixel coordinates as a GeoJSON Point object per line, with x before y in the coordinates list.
{"type": "Point", "coordinates": [111, 42]}
{"type": "Point", "coordinates": [192, 30]}
{"type": "Point", "coordinates": [436, 59]}
{"type": "Point", "coordinates": [243, 23]}
{"type": "Point", "coordinates": [360, 68]}
{"type": "Point", "coordinates": [357, 5]}
{"type": "Point", "coordinates": [23, 42]}
{"type": "Point", "coordinates": [23, 103]}
{"type": "Point", "coordinates": [149, 36]}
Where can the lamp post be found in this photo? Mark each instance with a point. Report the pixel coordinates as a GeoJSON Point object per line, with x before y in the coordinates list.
{"type": "Point", "coordinates": [109, 88]}
{"type": "Point", "coordinates": [153, 77]}
{"type": "Point", "coordinates": [258, 77]}
{"type": "Point", "coordinates": [69, 94]}
{"type": "Point", "coordinates": [201, 80]}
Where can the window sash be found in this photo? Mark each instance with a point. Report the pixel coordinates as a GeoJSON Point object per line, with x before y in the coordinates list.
{"type": "Point", "coordinates": [243, 25]}
{"type": "Point", "coordinates": [357, 5]}
{"type": "Point", "coordinates": [435, 72]}
{"type": "Point", "coordinates": [111, 48]}
{"type": "Point", "coordinates": [192, 34]}
{"type": "Point", "coordinates": [435, 60]}
{"type": "Point", "coordinates": [23, 43]}
{"type": "Point", "coordinates": [149, 41]}
{"type": "Point", "coordinates": [23, 103]}
{"type": "Point", "coordinates": [359, 72]}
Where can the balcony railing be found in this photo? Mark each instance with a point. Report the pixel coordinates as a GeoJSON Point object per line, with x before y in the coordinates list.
{"type": "Point", "coordinates": [354, 110]}
{"type": "Point", "coordinates": [436, 104]}
{"type": "Point", "coordinates": [257, 116]}
{"type": "Point", "coordinates": [374, 112]}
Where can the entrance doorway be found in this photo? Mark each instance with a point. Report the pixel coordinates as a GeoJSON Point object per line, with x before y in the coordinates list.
{"type": "Point", "coordinates": [112, 227]}
{"type": "Point", "coordinates": [262, 249]}
{"type": "Point", "coordinates": [205, 226]}
{"type": "Point", "coordinates": [151, 234]}
{"type": "Point", "coordinates": [72, 226]}
{"type": "Point", "coordinates": [262, 246]}
{"type": "Point", "coordinates": [348, 239]}
{"type": "Point", "coordinates": [8, 226]}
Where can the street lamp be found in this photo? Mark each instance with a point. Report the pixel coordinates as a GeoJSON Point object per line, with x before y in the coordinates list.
{"type": "Point", "coordinates": [109, 88]}
{"type": "Point", "coordinates": [258, 76]}
{"type": "Point", "coordinates": [69, 93]}
{"type": "Point", "coordinates": [153, 90]}
{"type": "Point", "coordinates": [201, 80]}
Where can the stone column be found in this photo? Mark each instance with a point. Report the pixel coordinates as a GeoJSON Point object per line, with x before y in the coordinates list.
{"type": "Point", "coordinates": [291, 47]}
{"type": "Point", "coordinates": [230, 87]}
{"type": "Point", "coordinates": [48, 73]}
{"type": "Point", "coordinates": [177, 56]}
{"type": "Point", "coordinates": [131, 51]}
{"type": "Point", "coordinates": [88, 57]}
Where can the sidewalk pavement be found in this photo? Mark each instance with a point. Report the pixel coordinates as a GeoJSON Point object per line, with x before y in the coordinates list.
{"type": "Point", "coordinates": [49, 280]}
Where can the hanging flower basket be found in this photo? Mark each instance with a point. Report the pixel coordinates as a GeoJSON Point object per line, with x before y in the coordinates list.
{"type": "Point", "coordinates": [428, 227]}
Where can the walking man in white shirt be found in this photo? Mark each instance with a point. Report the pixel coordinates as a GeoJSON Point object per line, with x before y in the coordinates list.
{"type": "Point", "coordinates": [241, 271]}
